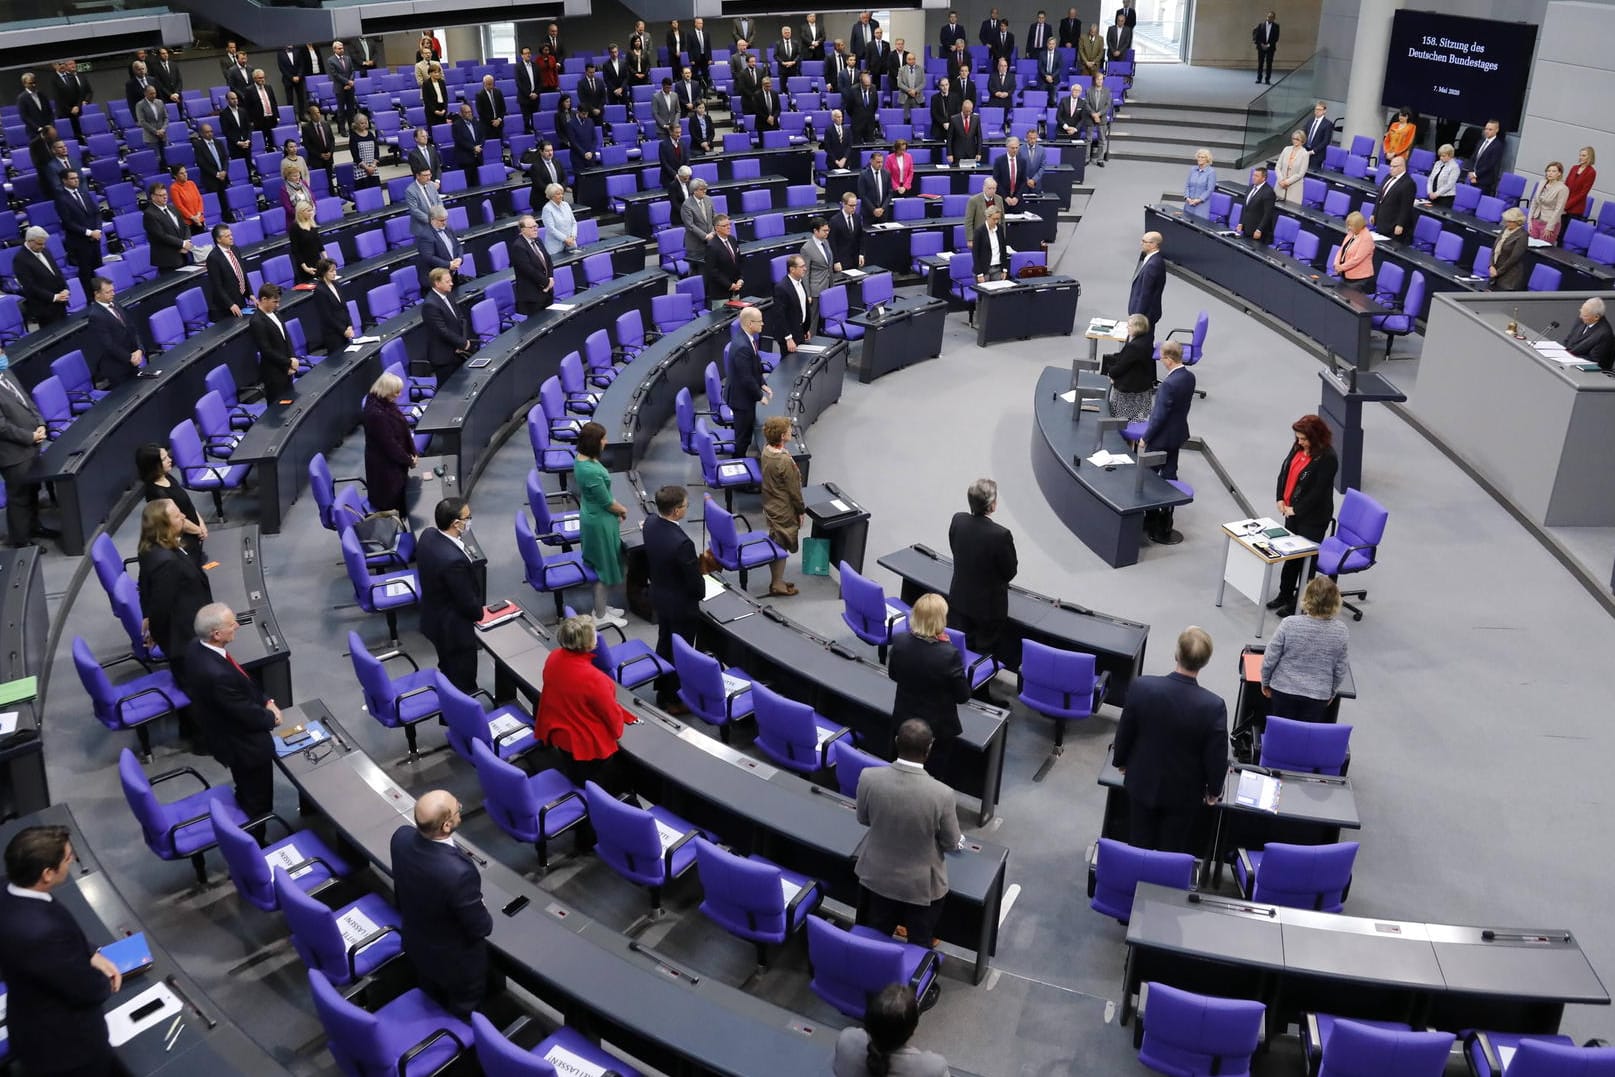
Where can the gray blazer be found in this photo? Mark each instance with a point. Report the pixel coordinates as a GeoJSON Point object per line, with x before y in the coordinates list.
{"type": "Point", "coordinates": [153, 120]}
{"type": "Point", "coordinates": [19, 418]}
{"type": "Point", "coordinates": [420, 201]}
{"type": "Point", "coordinates": [698, 218]}
{"type": "Point", "coordinates": [820, 272]}
{"type": "Point", "coordinates": [911, 79]}
{"type": "Point", "coordinates": [912, 822]}
{"type": "Point", "coordinates": [664, 108]}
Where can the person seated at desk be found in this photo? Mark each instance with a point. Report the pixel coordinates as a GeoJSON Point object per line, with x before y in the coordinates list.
{"type": "Point", "coordinates": [1304, 497]}
{"type": "Point", "coordinates": [881, 1046]}
{"type": "Point", "coordinates": [930, 676]}
{"type": "Point", "coordinates": [1197, 188]}
{"type": "Point", "coordinates": [1355, 259]}
{"type": "Point", "coordinates": [1132, 372]}
{"type": "Point", "coordinates": [1593, 339]}
{"type": "Point", "coordinates": [1508, 267]}
{"type": "Point", "coordinates": [1399, 135]}
{"type": "Point", "coordinates": [1548, 204]}
{"type": "Point", "coordinates": [1442, 185]}
{"type": "Point", "coordinates": [1256, 223]}
{"type": "Point", "coordinates": [578, 714]}
{"type": "Point", "coordinates": [1305, 662]}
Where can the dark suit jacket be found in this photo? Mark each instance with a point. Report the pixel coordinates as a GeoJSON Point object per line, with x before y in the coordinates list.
{"type": "Point", "coordinates": [40, 285]}
{"type": "Point", "coordinates": [1272, 41]}
{"type": "Point", "coordinates": [722, 267]}
{"type": "Point", "coordinates": [675, 573]}
{"type": "Point", "coordinates": [1168, 426]}
{"type": "Point", "coordinates": [54, 996]}
{"type": "Point", "coordinates": [1314, 496]}
{"type": "Point", "coordinates": [1488, 167]}
{"type": "Point", "coordinates": [172, 588]}
{"type": "Point", "coordinates": [765, 107]}
{"type": "Point", "coordinates": [671, 156]}
{"type": "Point", "coordinates": [236, 128]}
{"type": "Point", "coordinates": [1149, 281]}
{"type": "Point", "coordinates": [1395, 208]}
{"type": "Point", "coordinates": [1001, 174]}
{"type": "Point", "coordinates": [787, 317]}
{"type": "Point", "coordinates": [221, 289]}
{"type": "Point", "coordinates": [264, 122]}
{"type": "Point", "coordinates": [981, 251]}
{"type": "Point", "coordinates": [539, 173]}
{"type": "Point", "coordinates": [1318, 141]}
{"type": "Point", "coordinates": [702, 133]}
{"type": "Point", "coordinates": [1003, 48]}
{"type": "Point", "coordinates": [205, 172]}
{"type": "Point", "coordinates": [425, 158]}
{"type": "Point", "coordinates": [1258, 216]}
{"type": "Point", "coordinates": [166, 233]}
{"type": "Point", "coordinates": [846, 243]}
{"type": "Point", "coordinates": [232, 710]}
{"type": "Point", "coordinates": [1595, 342]}
{"type": "Point", "coordinates": [744, 387]}
{"type": "Point", "coordinates": [445, 336]}
{"type": "Point", "coordinates": [874, 192]}
{"type": "Point", "coordinates": [950, 34]}
{"type": "Point", "coordinates": [1132, 369]}
{"type": "Point", "coordinates": [931, 683]}
{"type": "Point", "coordinates": [331, 321]}
{"type": "Point", "coordinates": [836, 147]}
{"type": "Point", "coordinates": [439, 898]}
{"type": "Point", "coordinates": [942, 109]}
{"type": "Point", "coordinates": [589, 100]}
{"type": "Point", "coordinates": [450, 599]}
{"type": "Point", "coordinates": [526, 86]}
{"type": "Point", "coordinates": [319, 140]}
{"type": "Point", "coordinates": [997, 84]}
{"type": "Point", "coordinates": [77, 219]}
{"type": "Point", "coordinates": [489, 110]}
{"type": "Point", "coordinates": [466, 141]}
{"type": "Point", "coordinates": [984, 563]}
{"type": "Point", "coordinates": [110, 344]}
{"type": "Point", "coordinates": [1172, 741]}
{"type": "Point", "coordinates": [533, 272]}
{"type": "Point", "coordinates": [1070, 33]}
{"type": "Point", "coordinates": [964, 145]}
{"type": "Point", "coordinates": [274, 355]}
{"type": "Point", "coordinates": [430, 255]}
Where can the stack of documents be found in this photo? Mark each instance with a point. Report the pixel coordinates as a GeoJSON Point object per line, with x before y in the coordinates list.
{"type": "Point", "coordinates": [995, 285]}
{"type": "Point", "coordinates": [1259, 791]}
{"type": "Point", "coordinates": [1109, 459]}
{"type": "Point", "coordinates": [1558, 353]}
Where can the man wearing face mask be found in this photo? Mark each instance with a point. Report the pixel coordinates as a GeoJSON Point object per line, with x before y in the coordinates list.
{"type": "Point", "coordinates": [451, 600]}
{"type": "Point", "coordinates": [22, 432]}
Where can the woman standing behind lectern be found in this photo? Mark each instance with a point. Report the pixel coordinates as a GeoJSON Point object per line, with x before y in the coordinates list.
{"type": "Point", "coordinates": [1305, 497]}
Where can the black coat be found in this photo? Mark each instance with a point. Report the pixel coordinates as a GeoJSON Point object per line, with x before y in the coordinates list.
{"type": "Point", "coordinates": [744, 386]}
{"type": "Point", "coordinates": [722, 267]}
{"type": "Point", "coordinates": [331, 320]}
{"type": "Point", "coordinates": [445, 924]}
{"type": "Point", "coordinates": [231, 708]}
{"type": "Point", "coordinates": [787, 317]}
{"type": "Point", "coordinates": [982, 252]}
{"type": "Point", "coordinates": [388, 449]}
{"type": "Point", "coordinates": [166, 234]}
{"type": "Point", "coordinates": [274, 356]}
{"type": "Point", "coordinates": [846, 241]}
{"type": "Point", "coordinates": [1149, 281]}
{"type": "Point", "coordinates": [222, 289]}
{"type": "Point", "coordinates": [1172, 741]}
{"type": "Point", "coordinates": [964, 145]}
{"type": "Point", "coordinates": [533, 270]}
{"type": "Point", "coordinates": [445, 335]}
{"type": "Point", "coordinates": [1394, 209]}
{"type": "Point", "coordinates": [984, 563]}
{"type": "Point", "coordinates": [1132, 369]}
{"type": "Point", "coordinates": [451, 602]}
{"type": "Point", "coordinates": [1314, 496]}
{"type": "Point", "coordinates": [53, 994]}
{"type": "Point", "coordinates": [173, 587]}
{"type": "Point", "coordinates": [931, 683]}
{"type": "Point", "coordinates": [1258, 216]}
{"type": "Point", "coordinates": [40, 285]}
{"type": "Point", "coordinates": [676, 587]}
{"type": "Point", "coordinates": [111, 341]}
{"type": "Point", "coordinates": [1594, 342]}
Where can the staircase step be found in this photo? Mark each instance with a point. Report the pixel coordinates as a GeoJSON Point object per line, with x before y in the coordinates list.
{"type": "Point", "coordinates": [1142, 149]}
{"type": "Point", "coordinates": [1214, 141]}
{"type": "Point", "coordinates": [1186, 112]}
{"type": "Point", "coordinates": [1128, 115]}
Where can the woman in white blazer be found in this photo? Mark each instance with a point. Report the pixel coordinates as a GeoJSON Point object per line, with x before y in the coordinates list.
{"type": "Point", "coordinates": [1293, 161]}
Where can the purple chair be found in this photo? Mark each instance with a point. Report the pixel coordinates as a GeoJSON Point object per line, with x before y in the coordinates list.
{"type": "Point", "coordinates": [850, 764]}
{"type": "Point", "coordinates": [684, 414]}
{"type": "Point", "coordinates": [735, 550]}
{"type": "Point", "coordinates": [220, 380]}
{"type": "Point", "coordinates": [551, 575]}
{"type": "Point", "coordinates": [1189, 1035]}
{"type": "Point", "coordinates": [1304, 747]}
{"type": "Point", "coordinates": [50, 397]}
{"type": "Point", "coordinates": [395, 702]}
{"type": "Point", "coordinates": [793, 734]}
{"type": "Point", "coordinates": [1117, 868]}
{"type": "Point", "coordinates": [317, 933]}
{"type": "Point", "coordinates": [550, 458]}
{"type": "Point", "coordinates": [501, 1058]}
{"type": "Point", "coordinates": [530, 808]}
{"type": "Point", "coordinates": [630, 662]}
{"type": "Point", "coordinates": [307, 861]}
{"type": "Point", "coordinates": [726, 475]}
{"type": "Point", "coordinates": [631, 336]}
{"type": "Point", "coordinates": [712, 385]}
{"type": "Point", "coordinates": [1405, 319]}
{"type": "Point", "coordinates": [557, 529]}
{"type": "Point", "coordinates": [1354, 544]}
{"type": "Point", "coordinates": [1060, 685]}
{"type": "Point", "coordinates": [649, 847]}
{"type": "Point", "coordinates": [1536, 1056]}
{"type": "Point", "coordinates": [411, 1025]}
{"type": "Point", "coordinates": [752, 898]}
{"type": "Point", "coordinates": [715, 694]}
{"type": "Point", "coordinates": [1361, 1050]}
{"type": "Point", "coordinates": [574, 387]}
{"type": "Point", "coordinates": [1317, 1029]}
{"type": "Point", "coordinates": [74, 374]}
{"type": "Point", "coordinates": [349, 508]}
{"type": "Point", "coordinates": [197, 472]}
{"type": "Point", "coordinates": [669, 312]}
{"type": "Point", "coordinates": [599, 359]}
{"type": "Point", "coordinates": [506, 732]}
{"type": "Point", "coordinates": [872, 616]}
{"type": "Point", "coordinates": [979, 668]}
{"type": "Point", "coordinates": [385, 592]}
{"type": "Point", "coordinates": [125, 600]}
{"type": "Point", "coordinates": [552, 402]}
{"type": "Point", "coordinates": [1299, 876]}
{"type": "Point", "coordinates": [851, 967]}
{"type": "Point", "coordinates": [323, 487]}
{"type": "Point", "coordinates": [132, 704]}
{"type": "Point", "coordinates": [179, 829]}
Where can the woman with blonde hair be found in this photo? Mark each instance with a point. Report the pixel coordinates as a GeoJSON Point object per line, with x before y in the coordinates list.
{"type": "Point", "coordinates": [1305, 663]}
{"type": "Point", "coordinates": [782, 499]}
{"type": "Point", "coordinates": [930, 675]}
{"type": "Point", "coordinates": [1548, 205]}
{"type": "Point", "coordinates": [294, 190]}
{"type": "Point", "coordinates": [578, 715]}
{"type": "Point", "coordinates": [1292, 168]}
{"type": "Point", "coordinates": [304, 240]}
{"type": "Point", "coordinates": [173, 587]}
{"type": "Point", "coordinates": [1198, 186]}
{"type": "Point", "coordinates": [1355, 260]}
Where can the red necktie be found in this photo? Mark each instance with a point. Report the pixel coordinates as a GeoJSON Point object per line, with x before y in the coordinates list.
{"type": "Point", "coordinates": [967, 125]}
{"type": "Point", "coordinates": [240, 281]}
{"type": "Point", "coordinates": [1012, 173]}
{"type": "Point", "coordinates": [228, 657]}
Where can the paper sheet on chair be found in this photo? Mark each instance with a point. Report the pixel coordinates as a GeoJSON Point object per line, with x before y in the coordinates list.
{"type": "Point", "coordinates": [355, 927]}
{"type": "Point", "coordinates": [822, 734]}
{"type": "Point", "coordinates": [398, 586]}
{"type": "Point", "coordinates": [568, 1064]}
{"type": "Point", "coordinates": [733, 685]}
{"type": "Point", "coordinates": [667, 835]}
{"type": "Point", "coordinates": [1378, 237]}
{"type": "Point", "coordinates": [895, 611]}
{"type": "Point", "coordinates": [1505, 1055]}
{"type": "Point", "coordinates": [121, 1028]}
{"type": "Point", "coordinates": [509, 723]}
{"type": "Point", "coordinates": [285, 857]}
{"type": "Point", "coordinates": [789, 889]}
{"type": "Point", "coordinates": [734, 470]}
{"type": "Point", "coordinates": [1259, 791]}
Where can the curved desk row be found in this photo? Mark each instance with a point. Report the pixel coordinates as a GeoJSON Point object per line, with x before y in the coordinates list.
{"type": "Point", "coordinates": [24, 632]}
{"type": "Point", "coordinates": [636, 207]}
{"type": "Point", "coordinates": [235, 570]}
{"type": "Point", "coordinates": [1058, 180]}
{"type": "Point", "coordinates": [601, 980]}
{"type": "Point", "coordinates": [1116, 644]}
{"type": "Point", "coordinates": [206, 1041]}
{"type": "Point", "coordinates": [754, 805]}
{"type": "Point", "coordinates": [793, 164]}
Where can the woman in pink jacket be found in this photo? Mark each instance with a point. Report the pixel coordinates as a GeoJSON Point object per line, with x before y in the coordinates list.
{"type": "Point", "coordinates": [900, 167]}
{"type": "Point", "coordinates": [1355, 262]}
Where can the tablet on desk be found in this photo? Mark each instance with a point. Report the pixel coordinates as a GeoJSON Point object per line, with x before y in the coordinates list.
{"type": "Point", "coordinates": [479, 362]}
{"type": "Point", "coordinates": [130, 955]}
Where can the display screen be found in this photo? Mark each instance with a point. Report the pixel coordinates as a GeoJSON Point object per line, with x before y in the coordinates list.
{"type": "Point", "coordinates": [1471, 70]}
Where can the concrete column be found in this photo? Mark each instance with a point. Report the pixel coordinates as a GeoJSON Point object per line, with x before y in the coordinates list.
{"type": "Point", "coordinates": [1364, 113]}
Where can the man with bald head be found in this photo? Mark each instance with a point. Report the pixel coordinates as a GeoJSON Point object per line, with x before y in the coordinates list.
{"type": "Point", "coordinates": [439, 897]}
{"type": "Point", "coordinates": [1149, 281]}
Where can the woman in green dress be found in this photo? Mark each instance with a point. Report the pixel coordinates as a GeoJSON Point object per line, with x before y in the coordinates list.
{"type": "Point", "coordinates": [600, 519]}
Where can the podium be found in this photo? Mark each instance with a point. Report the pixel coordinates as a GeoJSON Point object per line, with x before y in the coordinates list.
{"type": "Point", "coordinates": [1342, 410]}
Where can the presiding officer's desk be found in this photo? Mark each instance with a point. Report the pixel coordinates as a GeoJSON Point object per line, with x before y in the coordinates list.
{"type": "Point", "coordinates": [207, 1043]}
{"type": "Point", "coordinates": [474, 403]}
{"type": "Point", "coordinates": [1542, 433]}
{"type": "Point", "coordinates": [1104, 507]}
{"type": "Point", "coordinates": [24, 626]}
{"type": "Point", "coordinates": [755, 805]}
{"type": "Point", "coordinates": [850, 690]}
{"type": "Point", "coordinates": [1336, 315]}
{"type": "Point", "coordinates": [1116, 644]}
{"type": "Point", "coordinates": [617, 988]}
{"type": "Point", "coordinates": [1296, 960]}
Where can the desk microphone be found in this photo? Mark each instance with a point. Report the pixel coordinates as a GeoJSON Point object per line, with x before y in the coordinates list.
{"type": "Point", "coordinates": [1552, 326]}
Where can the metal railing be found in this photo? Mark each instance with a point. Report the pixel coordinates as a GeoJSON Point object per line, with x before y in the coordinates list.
{"type": "Point", "coordinates": [1278, 110]}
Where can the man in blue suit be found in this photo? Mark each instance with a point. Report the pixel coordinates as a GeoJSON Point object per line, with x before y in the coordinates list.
{"type": "Point", "coordinates": [1149, 281]}
{"type": "Point", "coordinates": [451, 600]}
{"type": "Point", "coordinates": [1167, 430]}
{"type": "Point", "coordinates": [676, 589]}
{"type": "Point", "coordinates": [439, 897]}
{"type": "Point", "coordinates": [745, 388]}
{"type": "Point", "coordinates": [1320, 132]}
{"type": "Point", "coordinates": [1172, 749]}
{"type": "Point", "coordinates": [80, 215]}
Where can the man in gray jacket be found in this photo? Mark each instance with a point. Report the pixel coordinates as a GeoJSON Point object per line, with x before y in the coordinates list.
{"type": "Point", "coordinates": [912, 825]}
{"type": "Point", "coordinates": [700, 225]}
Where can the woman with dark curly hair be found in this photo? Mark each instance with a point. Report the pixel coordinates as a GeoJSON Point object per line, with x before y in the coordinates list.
{"type": "Point", "coordinates": [1305, 497]}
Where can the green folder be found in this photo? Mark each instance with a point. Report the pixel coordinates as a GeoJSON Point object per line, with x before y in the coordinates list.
{"type": "Point", "coordinates": [18, 690]}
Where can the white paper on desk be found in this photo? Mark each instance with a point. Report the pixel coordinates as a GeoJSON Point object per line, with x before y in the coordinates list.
{"type": "Point", "coordinates": [568, 1064]}
{"type": "Point", "coordinates": [854, 273]}
{"type": "Point", "coordinates": [1533, 241]}
{"type": "Point", "coordinates": [1292, 544]}
{"type": "Point", "coordinates": [1103, 458]}
{"type": "Point", "coordinates": [884, 226]}
{"type": "Point", "coordinates": [355, 927]}
{"type": "Point", "coordinates": [1470, 279]}
{"type": "Point", "coordinates": [563, 306]}
{"type": "Point", "coordinates": [1378, 237]}
{"type": "Point", "coordinates": [509, 723]}
{"type": "Point", "coordinates": [996, 285]}
{"type": "Point", "coordinates": [365, 340]}
{"type": "Point", "coordinates": [1259, 791]}
{"type": "Point", "coordinates": [8, 726]}
{"type": "Point", "coordinates": [809, 349]}
{"type": "Point", "coordinates": [839, 172]}
{"type": "Point", "coordinates": [285, 857]}
{"type": "Point", "coordinates": [1026, 215]}
{"type": "Point", "coordinates": [840, 505]}
{"type": "Point", "coordinates": [733, 686]}
{"type": "Point", "coordinates": [714, 587]}
{"type": "Point", "coordinates": [121, 1029]}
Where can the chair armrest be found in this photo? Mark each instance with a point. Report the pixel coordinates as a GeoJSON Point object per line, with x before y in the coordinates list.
{"type": "Point", "coordinates": [667, 857]}
{"type": "Point", "coordinates": [265, 818]}
{"type": "Point", "coordinates": [763, 541]}
{"type": "Point", "coordinates": [364, 944]}
{"type": "Point", "coordinates": [512, 734]}
{"type": "Point", "coordinates": [183, 823]}
{"type": "Point", "coordinates": [557, 802]}
{"type": "Point", "coordinates": [1091, 859]}
{"type": "Point", "coordinates": [178, 772]}
{"type": "Point", "coordinates": [310, 862]}
{"type": "Point", "coordinates": [981, 660]}
{"type": "Point", "coordinates": [390, 655]}
{"type": "Point", "coordinates": [1250, 871]}
{"type": "Point", "coordinates": [1101, 688]}
{"type": "Point", "coordinates": [384, 584]}
{"type": "Point", "coordinates": [1173, 333]}
{"type": "Point", "coordinates": [123, 700]}
{"type": "Point", "coordinates": [398, 710]}
{"type": "Point", "coordinates": [812, 888]}
{"type": "Point", "coordinates": [407, 1056]}
{"type": "Point", "coordinates": [634, 661]}
{"type": "Point", "coordinates": [1315, 1035]}
{"type": "Point", "coordinates": [928, 965]}
{"type": "Point", "coordinates": [824, 749]}
{"type": "Point", "coordinates": [622, 637]}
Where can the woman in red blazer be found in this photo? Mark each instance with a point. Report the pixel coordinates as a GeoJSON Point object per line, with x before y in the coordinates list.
{"type": "Point", "coordinates": [1580, 181]}
{"type": "Point", "coordinates": [578, 713]}
{"type": "Point", "coordinates": [1355, 261]}
{"type": "Point", "coordinates": [900, 167]}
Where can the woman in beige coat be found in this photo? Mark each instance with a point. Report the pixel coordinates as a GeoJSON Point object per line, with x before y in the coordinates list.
{"type": "Point", "coordinates": [782, 499]}
{"type": "Point", "coordinates": [1293, 161]}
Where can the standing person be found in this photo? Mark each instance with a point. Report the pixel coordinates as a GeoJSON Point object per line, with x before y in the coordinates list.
{"type": "Point", "coordinates": [447, 341]}
{"type": "Point", "coordinates": [1355, 262]}
{"type": "Point", "coordinates": [439, 897]}
{"type": "Point", "coordinates": [600, 517]}
{"type": "Point", "coordinates": [450, 601]}
{"type": "Point", "coordinates": [1441, 188]}
{"type": "Point", "coordinates": [1168, 429]}
{"type": "Point", "coordinates": [1580, 181]}
{"type": "Point", "coordinates": [1399, 135]}
{"type": "Point", "coordinates": [793, 307]}
{"type": "Point", "coordinates": [1119, 39]}
{"type": "Point", "coordinates": [1293, 162]}
{"type": "Point", "coordinates": [1266, 39]}
{"type": "Point", "coordinates": [80, 214]}
{"type": "Point", "coordinates": [173, 586]}
{"type": "Point", "coordinates": [820, 259]}
{"type": "Point", "coordinates": [782, 499]}
{"type": "Point", "coordinates": [1305, 663]}
{"type": "Point", "coordinates": [44, 287]}
{"type": "Point", "coordinates": [1304, 497]}
{"type": "Point", "coordinates": [984, 563]}
{"type": "Point", "coordinates": [333, 325]}
{"type": "Point", "coordinates": [1070, 29]}
{"type": "Point", "coordinates": [1257, 221]}
{"type": "Point", "coordinates": [235, 713]}
{"type": "Point", "coordinates": [578, 715]}
{"type": "Point", "coordinates": [700, 225]}
{"type": "Point", "coordinates": [159, 483]}
{"type": "Point", "coordinates": [389, 447]}
{"type": "Point", "coordinates": [339, 68]}
{"type": "Point", "coordinates": [1393, 213]}
{"type": "Point", "coordinates": [1508, 253]}
{"type": "Point", "coordinates": [880, 1048]}
{"type": "Point", "coordinates": [1320, 132]}
{"type": "Point", "coordinates": [1548, 204]}
{"type": "Point", "coordinates": [1172, 748]}
{"type": "Point", "coordinates": [277, 366]}
{"type": "Point", "coordinates": [676, 588]}
{"type": "Point", "coordinates": [721, 272]}
{"type": "Point", "coordinates": [1198, 187]}
{"type": "Point", "coordinates": [114, 353]}
{"type": "Point", "coordinates": [56, 984]}
{"type": "Point", "coordinates": [560, 223]}
{"type": "Point", "coordinates": [930, 676]}
{"type": "Point", "coordinates": [991, 250]}
{"type": "Point", "coordinates": [913, 824]}
{"type": "Point", "coordinates": [22, 432]}
{"type": "Point", "coordinates": [1149, 280]}
{"type": "Point", "coordinates": [534, 272]}
{"type": "Point", "coordinates": [1091, 53]}
{"type": "Point", "coordinates": [1132, 373]}
{"type": "Point", "coordinates": [168, 237]}
{"type": "Point", "coordinates": [1097, 104]}
{"type": "Point", "coordinates": [226, 285]}
{"type": "Point", "coordinates": [1486, 166]}
{"type": "Point", "coordinates": [745, 388]}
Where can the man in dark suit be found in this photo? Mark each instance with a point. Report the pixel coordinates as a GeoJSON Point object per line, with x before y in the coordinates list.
{"type": "Point", "coordinates": [591, 94]}
{"type": "Point", "coordinates": [1149, 281]}
{"type": "Point", "coordinates": [1486, 167]}
{"type": "Point", "coordinates": [1266, 39]}
{"type": "Point", "coordinates": [615, 72]}
{"type": "Point", "coordinates": [467, 143]}
{"type": "Point", "coordinates": [261, 107]}
{"type": "Point", "coordinates": [964, 135]}
{"type": "Point", "coordinates": [847, 235]}
{"type": "Point", "coordinates": [36, 109]}
{"type": "Point", "coordinates": [792, 310]}
{"type": "Point", "coordinates": [212, 161]}
{"type": "Point", "coordinates": [527, 86]}
{"type": "Point", "coordinates": [687, 90]}
{"type": "Point", "coordinates": [170, 80]}
{"type": "Point", "coordinates": [534, 272]}
{"type": "Point", "coordinates": [1002, 46]}
{"type": "Point", "coordinates": [226, 287]}
{"type": "Point", "coordinates": [1591, 338]}
{"type": "Point", "coordinates": [1001, 86]}
{"type": "Point", "coordinates": [439, 897]}
{"type": "Point", "coordinates": [22, 431]}
{"type": "Point", "coordinates": [703, 135]}
{"type": "Point", "coordinates": [292, 62]}
{"type": "Point", "coordinates": [835, 143]}
{"type": "Point", "coordinates": [447, 342]}
{"type": "Point", "coordinates": [1118, 39]}
{"type": "Point", "coordinates": [721, 270]}
{"type": "Point", "coordinates": [80, 215]}
{"type": "Point", "coordinates": [71, 93]}
{"type": "Point", "coordinates": [672, 156]}
{"type": "Point", "coordinates": [235, 124]}
{"type": "Point", "coordinates": [113, 351]}
{"type": "Point", "coordinates": [988, 30]}
{"type": "Point", "coordinates": [1070, 30]}
{"type": "Point", "coordinates": [439, 247]}
{"type": "Point", "coordinates": [787, 55]}
{"type": "Point", "coordinates": [951, 32]}
{"type": "Point", "coordinates": [544, 170]}
{"type": "Point", "coordinates": [676, 587]}
{"type": "Point", "coordinates": [945, 103]}
{"type": "Point", "coordinates": [44, 288]}
{"type": "Point", "coordinates": [166, 234]}
{"type": "Point", "coordinates": [879, 61]}
{"type": "Point", "coordinates": [1320, 133]}
{"type": "Point", "coordinates": [236, 714]}
{"type": "Point", "coordinates": [319, 139]}
{"type": "Point", "coordinates": [1256, 221]}
{"type": "Point", "coordinates": [56, 984]}
{"type": "Point", "coordinates": [1012, 176]}
{"type": "Point", "coordinates": [984, 563]}
{"type": "Point", "coordinates": [423, 155]}
{"type": "Point", "coordinates": [765, 106]}
{"type": "Point", "coordinates": [276, 363]}
{"type": "Point", "coordinates": [1166, 431]}
{"type": "Point", "coordinates": [875, 190]}
{"type": "Point", "coordinates": [1172, 749]}
{"type": "Point", "coordinates": [699, 45]}
{"type": "Point", "coordinates": [238, 75]}
{"type": "Point", "coordinates": [745, 388]}
{"type": "Point", "coordinates": [451, 602]}
{"type": "Point", "coordinates": [1393, 212]}
{"type": "Point", "coordinates": [491, 109]}
{"type": "Point", "coordinates": [863, 107]}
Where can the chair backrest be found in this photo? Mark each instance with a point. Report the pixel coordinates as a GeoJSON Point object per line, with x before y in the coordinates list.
{"type": "Point", "coordinates": [1119, 868]}
{"type": "Point", "coordinates": [1544, 278]}
{"type": "Point", "coordinates": [1360, 1050]}
{"type": "Point", "coordinates": [125, 599]}
{"type": "Point", "coordinates": [785, 728]}
{"type": "Point", "coordinates": [219, 380]}
{"type": "Point", "coordinates": [1362, 521]}
{"type": "Point", "coordinates": [743, 896]}
{"type": "Point", "coordinates": [467, 722]}
{"type": "Point", "coordinates": [850, 763]}
{"type": "Point", "coordinates": [323, 487]}
{"type": "Point", "coordinates": [108, 565]}
{"type": "Point", "coordinates": [720, 526]}
{"type": "Point", "coordinates": [248, 869]}
{"type": "Point", "coordinates": [1199, 1034]}
{"type": "Point", "coordinates": [1465, 198]}
{"type": "Point", "coordinates": [1449, 246]}
{"type": "Point", "coordinates": [863, 604]}
{"type": "Point", "coordinates": [506, 794]}
{"type": "Point", "coordinates": [849, 969]}
{"type": "Point", "coordinates": [354, 1035]}
{"type": "Point", "coordinates": [700, 681]}
{"type": "Point", "coordinates": [144, 805]}
{"type": "Point", "coordinates": [1056, 682]}
{"type": "Point", "coordinates": [1305, 876]}
{"type": "Point", "coordinates": [625, 837]}
{"type": "Point", "coordinates": [102, 695]}
{"type": "Point", "coordinates": [1308, 747]}
{"type": "Point", "coordinates": [498, 1057]}
{"type": "Point", "coordinates": [1545, 1058]}
{"type": "Point", "coordinates": [374, 682]}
